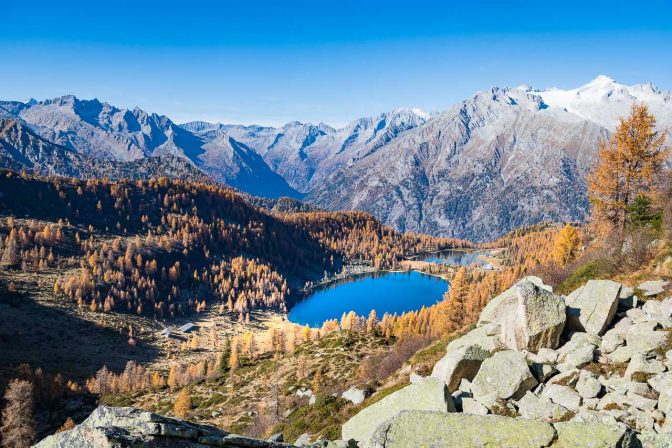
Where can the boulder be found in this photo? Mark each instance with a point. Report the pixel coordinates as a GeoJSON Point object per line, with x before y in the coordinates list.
{"type": "Point", "coordinates": [575, 434]}
{"type": "Point", "coordinates": [498, 309]}
{"type": "Point", "coordinates": [588, 386]}
{"type": "Point", "coordinates": [504, 375]}
{"type": "Point", "coordinates": [565, 396]}
{"type": "Point", "coordinates": [433, 429]}
{"type": "Point", "coordinates": [429, 395]}
{"type": "Point", "coordinates": [611, 341]}
{"type": "Point", "coordinates": [460, 363]}
{"type": "Point", "coordinates": [115, 427]}
{"type": "Point", "coordinates": [592, 307]}
{"type": "Point", "coordinates": [471, 406]}
{"type": "Point", "coordinates": [354, 395]}
{"type": "Point", "coordinates": [643, 338]}
{"type": "Point", "coordinates": [577, 358]}
{"type": "Point", "coordinates": [639, 364]}
{"type": "Point", "coordinates": [660, 311]}
{"type": "Point", "coordinates": [539, 408]}
{"type": "Point", "coordinates": [535, 319]}
{"type": "Point", "coordinates": [303, 440]}
{"type": "Point", "coordinates": [653, 287]}
{"type": "Point", "coordinates": [653, 440]}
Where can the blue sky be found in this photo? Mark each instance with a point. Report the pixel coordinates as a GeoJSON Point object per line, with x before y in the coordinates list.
{"type": "Point", "coordinates": [273, 62]}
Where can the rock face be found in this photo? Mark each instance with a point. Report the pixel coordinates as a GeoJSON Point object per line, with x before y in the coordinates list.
{"type": "Point", "coordinates": [129, 427]}
{"type": "Point", "coordinates": [592, 307]}
{"type": "Point", "coordinates": [428, 395]}
{"type": "Point", "coordinates": [500, 308]}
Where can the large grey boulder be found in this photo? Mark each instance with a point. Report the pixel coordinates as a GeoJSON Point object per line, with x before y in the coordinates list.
{"type": "Point", "coordinates": [465, 354]}
{"type": "Point", "coordinates": [661, 311]}
{"type": "Point", "coordinates": [415, 429]}
{"type": "Point", "coordinates": [653, 287]}
{"type": "Point", "coordinates": [593, 435]}
{"type": "Point", "coordinates": [504, 375]}
{"type": "Point", "coordinates": [534, 320]}
{"type": "Point", "coordinates": [460, 363]}
{"type": "Point", "coordinates": [429, 395]}
{"type": "Point", "coordinates": [110, 427]}
{"type": "Point", "coordinates": [592, 307]}
{"type": "Point", "coordinates": [498, 309]}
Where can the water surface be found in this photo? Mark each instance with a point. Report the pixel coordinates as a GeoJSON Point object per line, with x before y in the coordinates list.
{"type": "Point", "coordinates": [387, 292]}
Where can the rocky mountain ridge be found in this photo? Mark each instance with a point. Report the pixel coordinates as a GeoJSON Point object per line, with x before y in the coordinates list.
{"type": "Point", "coordinates": [503, 158]}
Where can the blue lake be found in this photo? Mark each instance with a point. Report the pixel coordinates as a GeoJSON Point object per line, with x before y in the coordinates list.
{"type": "Point", "coordinates": [387, 292]}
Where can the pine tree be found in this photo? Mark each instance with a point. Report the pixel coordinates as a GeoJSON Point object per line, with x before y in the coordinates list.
{"type": "Point", "coordinates": [566, 245]}
{"type": "Point", "coordinates": [182, 405]}
{"type": "Point", "coordinates": [317, 380]}
{"type": "Point", "coordinates": [18, 427]}
{"type": "Point", "coordinates": [626, 168]}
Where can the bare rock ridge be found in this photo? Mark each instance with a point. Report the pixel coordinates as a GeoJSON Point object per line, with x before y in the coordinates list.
{"type": "Point", "coordinates": [501, 159]}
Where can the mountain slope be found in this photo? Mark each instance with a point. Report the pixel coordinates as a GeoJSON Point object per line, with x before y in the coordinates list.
{"type": "Point", "coordinates": [21, 148]}
{"type": "Point", "coordinates": [494, 162]}
{"type": "Point", "coordinates": [103, 132]}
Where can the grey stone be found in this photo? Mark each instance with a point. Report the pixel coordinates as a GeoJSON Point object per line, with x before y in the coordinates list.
{"type": "Point", "coordinates": [542, 372]}
{"type": "Point", "coordinates": [652, 440]}
{"type": "Point", "coordinates": [568, 378]}
{"type": "Point", "coordinates": [531, 406]}
{"type": "Point", "coordinates": [303, 440]}
{"type": "Point", "coordinates": [639, 402]}
{"type": "Point", "coordinates": [535, 320]}
{"type": "Point", "coordinates": [504, 375]}
{"type": "Point", "coordinates": [660, 311]}
{"type": "Point", "coordinates": [577, 358]}
{"type": "Point", "coordinates": [565, 396]}
{"type": "Point", "coordinates": [575, 434]}
{"type": "Point", "coordinates": [653, 287]}
{"type": "Point", "coordinates": [499, 308]}
{"type": "Point", "coordinates": [116, 427]}
{"type": "Point", "coordinates": [639, 363]}
{"type": "Point", "coordinates": [611, 341]}
{"type": "Point", "coordinates": [471, 406]}
{"type": "Point", "coordinates": [429, 395]}
{"type": "Point", "coordinates": [592, 307]}
{"type": "Point", "coordinates": [588, 386]}
{"type": "Point", "coordinates": [430, 429]}
{"type": "Point", "coordinates": [354, 395]}
{"type": "Point", "coordinates": [459, 363]}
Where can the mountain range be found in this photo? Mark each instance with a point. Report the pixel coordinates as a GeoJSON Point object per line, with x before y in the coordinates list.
{"type": "Point", "coordinates": [500, 159]}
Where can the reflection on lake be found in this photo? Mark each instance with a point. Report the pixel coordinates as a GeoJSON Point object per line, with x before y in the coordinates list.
{"type": "Point", "coordinates": [386, 292]}
{"type": "Point", "coordinates": [457, 257]}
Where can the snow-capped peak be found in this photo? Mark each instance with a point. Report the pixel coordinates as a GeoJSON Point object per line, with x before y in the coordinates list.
{"type": "Point", "coordinates": [604, 101]}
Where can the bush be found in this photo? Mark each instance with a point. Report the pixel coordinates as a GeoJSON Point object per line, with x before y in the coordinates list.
{"type": "Point", "coordinates": [601, 268]}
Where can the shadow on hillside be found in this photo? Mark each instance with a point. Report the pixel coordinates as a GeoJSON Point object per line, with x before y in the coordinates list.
{"type": "Point", "coordinates": [60, 342]}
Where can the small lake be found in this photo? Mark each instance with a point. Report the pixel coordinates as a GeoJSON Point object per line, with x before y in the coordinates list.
{"type": "Point", "coordinates": [386, 292]}
{"type": "Point", "coordinates": [457, 258]}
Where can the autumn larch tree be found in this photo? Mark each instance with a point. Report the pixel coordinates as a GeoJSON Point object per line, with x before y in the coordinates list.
{"type": "Point", "coordinates": [566, 245]}
{"type": "Point", "coordinates": [626, 168]}
{"type": "Point", "coordinates": [18, 427]}
{"type": "Point", "coordinates": [182, 405]}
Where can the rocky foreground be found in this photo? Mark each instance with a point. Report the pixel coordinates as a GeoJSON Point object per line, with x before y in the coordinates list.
{"type": "Point", "coordinates": [592, 369]}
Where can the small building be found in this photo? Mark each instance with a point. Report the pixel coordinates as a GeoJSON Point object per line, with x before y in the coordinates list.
{"type": "Point", "coordinates": [186, 328]}
{"type": "Point", "coordinates": [166, 333]}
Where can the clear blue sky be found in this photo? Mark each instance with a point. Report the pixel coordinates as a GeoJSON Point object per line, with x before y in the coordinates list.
{"type": "Point", "coordinates": [272, 62]}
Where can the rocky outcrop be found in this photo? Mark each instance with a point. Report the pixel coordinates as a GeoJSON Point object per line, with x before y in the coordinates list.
{"type": "Point", "coordinates": [110, 427]}
{"type": "Point", "coordinates": [605, 381]}
{"type": "Point", "coordinates": [428, 395]}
